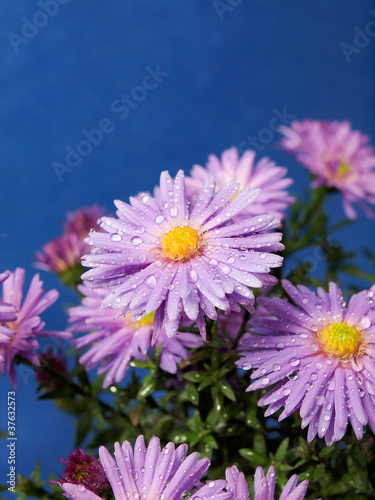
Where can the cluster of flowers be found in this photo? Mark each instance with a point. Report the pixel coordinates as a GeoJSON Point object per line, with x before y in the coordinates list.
{"type": "Point", "coordinates": [196, 247]}
{"type": "Point", "coordinates": [168, 473]}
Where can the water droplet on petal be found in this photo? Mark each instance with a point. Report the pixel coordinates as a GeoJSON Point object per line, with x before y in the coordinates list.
{"type": "Point", "coordinates": [115, 237]}
{"type": "Point", "coordinates": [136, 240]}
{"type": "Point", "coordinates": [193, 276]}
{"type": "Point", "coordinates": [173, 212]}
{"type": "Point", "coordinates": [151, 281]}
{"type": "Point", "coordinates": [159, 219]}
{"type": "Point", "coordinates": [365, 322]}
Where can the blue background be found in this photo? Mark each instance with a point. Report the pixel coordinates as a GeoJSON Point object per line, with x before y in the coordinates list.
{"type": "Point", "coordinates": [227, 73]}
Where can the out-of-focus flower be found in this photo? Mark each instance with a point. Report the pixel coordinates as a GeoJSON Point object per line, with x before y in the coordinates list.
{"type": "Point", "coordinates": [265, 174]}
{"type": "Point", "coordinates": [8, 312]}
{"type": "Point", "coordinates": [27, 325]}
{"type": "Point", "coordinates": [152, 473]}
{"type": "Point", "coordinates": [264, 486]}
{"type": "Point", "coordinates": [84, 470]}
{"type": "Point", "coordinates": [114, 340]}
{"type": "Point", "coordinates": [173, 257]}
{"type": "Point", "coordinates": [320, 353]}
{"type": "Point", "coordinates": [57, 361]}
{"type": "Point", "coordinates": [63, 254]}
{"type": "Point", "coordinates": [338, 156]}
{"type": "Point", "coordinates": [82, 220]}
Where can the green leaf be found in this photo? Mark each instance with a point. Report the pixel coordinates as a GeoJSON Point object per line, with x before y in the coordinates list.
{"type": "Point", "coordinates": [253, 457]}
{"type": "Point", "coordinates": [208, 381]}
{"type": "Point", "coordinates": [150, 383]}
{"type": "Point", "coordinates": [139, 364]}
{"type": "Point", "coordinates": [260, 444]}
{"type": "Point", "coordinates": [192, 393]}
{"type": "Point", "coordinates": [194, 376]}
{"type": "Point", "coordinates": [282, 450]}
{"type": "Point", "coordinates": [209, 439]}
{"type": "Point", "coordinates": [226, 390]}
{"type": "Point", "coordinates": [212, 417]}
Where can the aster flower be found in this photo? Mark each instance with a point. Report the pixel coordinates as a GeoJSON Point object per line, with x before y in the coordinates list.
{"type": "Point", "coordinates": [7, 313]}
{"type": "Point", "coordinates": [265, 174]}
{"type": "Point", "coordinates": [64, 253]}
{"type": "Point", "coordinates": [264, 486]}
{"type": "Point", "coordinates": [149, 473]}
{"type": "Point", "coordinates": [173, 257]}
{"type": "Point", "coordinates": [114, 340]}
{"type": "Point", "coordinates": [57, 360]}
{"type": "Point", "coordinates": [86, 471]}
{"type": "Point", "coordinates": [82, 220]}
{"type": "Point", "coordinates": [27, 325]}
{"type": "Point", "coordinates": [338, 156]}
{"type": "Point", "coordinates": [320, 353]}
{"type": "Point", "coordinates": [61, 254]}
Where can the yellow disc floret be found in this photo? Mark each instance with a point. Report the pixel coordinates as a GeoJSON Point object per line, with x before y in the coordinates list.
{"type": "Point", "coordinates": [342, 169]}
{"type": "Point", "coordinates": [147, 320]}
{"type": "Point", "coordinates": [341, 340]}
{"type": "Point", "coordinates": [181, 243]}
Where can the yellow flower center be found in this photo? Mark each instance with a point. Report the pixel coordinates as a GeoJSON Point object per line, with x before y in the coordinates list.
{"type": "Point", "coordinates": [147, 320]}
{"type": "Point", "coordinates": [341, 340]}
{"type": "Point", "coordinates": [342, 169]}
{"type": "Point", "coordinates": [181, 243]}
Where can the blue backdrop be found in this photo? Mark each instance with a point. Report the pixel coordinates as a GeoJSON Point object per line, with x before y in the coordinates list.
{"type": "Point", "coordinates": [202, 76]}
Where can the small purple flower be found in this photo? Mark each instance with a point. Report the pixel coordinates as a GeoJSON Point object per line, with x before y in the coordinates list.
{"type": "Point", "coordinates": [65, 252]}
{"type": "Point", "coordinates": [264, 486]}
{"type": "Point", "coordinates": [320, 353]}
{"type": "Point", "coordinates": [175, 257]}
{"type": "Point", "coordinates": [83, 219]}
{"type": "Point", "coordinates": [84, 470]}
{"type": "Point", "coordinates": [114, 340]}
{"type": "Point", "coordinates": [8, 312]}
{"type": "Point", "coordinates": [338, 156]}
{"type": "Point", "coordinates": [57, 360]}
{"type": "Point", "coordinates": [61, 254]}
{"type": "Point", "coordinates": [150, 473]}
{"type": "Point", "coordinates": [27, 325]}
{"type": "Point", "coordinates": [265, 174]}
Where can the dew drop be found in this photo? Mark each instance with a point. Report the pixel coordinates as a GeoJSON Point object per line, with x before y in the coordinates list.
{"type": "Point", "coordinates": [365, 322]}
{"type": "Point", "coordinates": [136, 240]}
{"type": "Point", "coordinates": [173, 211]}
{"type": "Point", "coordinates": [151, 282]}
{"type": "Point", "coordinates": [159, 219]}
{"type": "Point", "coordinates": [193, 276]}
{"type": "Point", "coordinates": [115, 237]}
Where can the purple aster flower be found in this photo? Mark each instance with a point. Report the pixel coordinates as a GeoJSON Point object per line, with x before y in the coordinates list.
{"type": "Point", "coordinates": [61, 254]}
{"type": "Point", "coordinates": [8, 312]}
{"type": "Point", "coordinates": [82, 220]}
{"type": "Point", "coordinates": [321, 355]}
{"type": "Point", "coordinates": [264, 486]}
{"type": "Point", "coordinates": [149, 473]}
{"type": "Point", "coordinates": [65, 252]}
{"type": "Point", "coordinates": [173, 257]}
{"type": "Point", "coordinates": [338, 156]}
{"type": "Point", "coordinates": [265, 174]}
{"type": "Point", "coordinates": [27, 325]}
{"type": "Point", "coordinates": [114, 340]}
{"type": "Point", "coordinates": [84, 470]}
{"type": "Point", "coordinates": [57, 360]}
